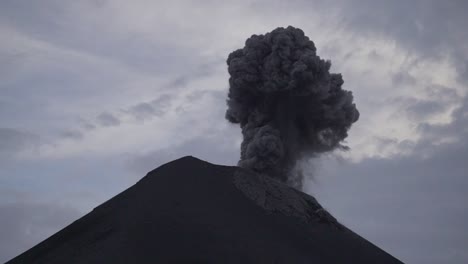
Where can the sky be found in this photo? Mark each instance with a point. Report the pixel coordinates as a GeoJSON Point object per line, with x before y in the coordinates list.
{"type": "Point", "coordinates": [95, 93]}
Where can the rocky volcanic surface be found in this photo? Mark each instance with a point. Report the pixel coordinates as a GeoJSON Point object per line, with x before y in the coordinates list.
{"type": "Point", "coordinates": [191, 211]}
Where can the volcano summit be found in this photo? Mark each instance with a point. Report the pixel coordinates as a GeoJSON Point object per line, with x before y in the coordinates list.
{"type": "Point", "coordinates": [191, 211]}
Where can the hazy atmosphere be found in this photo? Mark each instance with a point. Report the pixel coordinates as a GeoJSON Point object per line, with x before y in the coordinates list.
{"type": "Point", "coordinates": [96, 93]}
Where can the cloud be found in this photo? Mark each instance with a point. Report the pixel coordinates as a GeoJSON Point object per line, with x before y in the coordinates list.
{"type": "Point", "coordinates": [403, 78]}
{"type": "Point", "coordinates": [414, 208]}
{"type": "Point", "coordinates": [421, 109]}
{"type": "Point", "coordinates": [108, 120]}
{"type": "Point", "coordinates": [143, 110]}
{"type": "Point", "coordinates": [148, 110]}
{"type": "Point", "coordinates": [436, 101]}
{"type": "Point", "coordinates": [428, 29]}
{"type": "Point", "coordinates": [408, 204]}
{"type": "Point", "coordinates": [71, 134]}
{"type": "Point", "coordinates": [406, 63]}
{"type": "Point", "coordinates": [138, 38]}
{"type": "Point", "coordinates": [86, 125]}
{"type": "Point", "coordinates": [454, 132]}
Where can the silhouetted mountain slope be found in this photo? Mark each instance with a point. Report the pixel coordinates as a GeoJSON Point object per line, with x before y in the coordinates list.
{"type": "Point", "coordinates": [191, 211]}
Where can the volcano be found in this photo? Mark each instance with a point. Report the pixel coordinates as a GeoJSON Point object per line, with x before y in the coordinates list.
{"type": "Point", "coordinates": [191, 211]}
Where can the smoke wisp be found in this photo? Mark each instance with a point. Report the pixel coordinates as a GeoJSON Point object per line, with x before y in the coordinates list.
{"type": "Point", "coordinates": [286, 102]}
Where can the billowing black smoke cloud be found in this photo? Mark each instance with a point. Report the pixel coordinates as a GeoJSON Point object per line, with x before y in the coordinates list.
{"type": "Point", "coordinates": [287, 103]}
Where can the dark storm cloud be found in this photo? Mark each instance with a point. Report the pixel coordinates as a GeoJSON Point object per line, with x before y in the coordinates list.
{"type": "Point", "coordinates": [107, 119]}
{"type": "Point", "coordinates": [24, 224]}
{"type": "Point", "coordinates": [287, 103]}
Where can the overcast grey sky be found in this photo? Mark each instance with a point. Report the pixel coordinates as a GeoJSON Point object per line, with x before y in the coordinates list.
{"type": "Point", "coordinates": [96, 93]}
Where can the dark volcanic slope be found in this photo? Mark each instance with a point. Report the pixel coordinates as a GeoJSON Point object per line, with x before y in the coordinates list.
{"type": "Point", "coordinates": [191, 211]}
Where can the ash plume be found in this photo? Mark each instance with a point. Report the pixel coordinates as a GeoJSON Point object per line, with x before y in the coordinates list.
{"type": "Point", "coordinates": [287, 103]}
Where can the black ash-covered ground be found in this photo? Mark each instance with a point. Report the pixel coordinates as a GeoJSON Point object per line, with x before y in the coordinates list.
{"type": "Point", "coordinates": [191, 211]}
